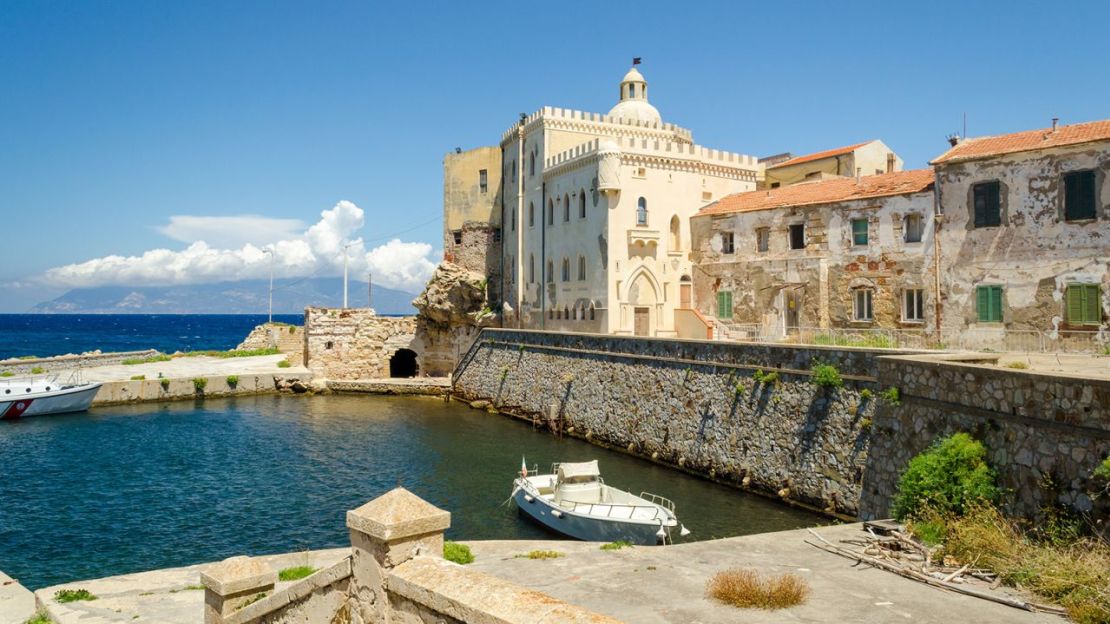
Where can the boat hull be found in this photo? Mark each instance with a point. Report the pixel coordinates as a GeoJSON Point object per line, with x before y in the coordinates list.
{"type": "Point", "coordinates": [586, 528]}
{"type": "Point", "coordinates": [62, 401]}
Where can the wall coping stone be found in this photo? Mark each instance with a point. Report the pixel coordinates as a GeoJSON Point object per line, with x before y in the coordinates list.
{"type": "Point", "coordinates": [236, 575]}
{"type": "Point", "coordinates": [301, 589]}
{"type": "Point", "coordinates": [942, 362]}
{"type": "Point", "coordinates": [478, 598]}
{"type": "Point", "coordinates": [398, 514]}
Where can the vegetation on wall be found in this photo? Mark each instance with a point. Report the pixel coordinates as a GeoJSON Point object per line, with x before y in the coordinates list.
{"type": "Point", "coordinates": [459, 553]}
{"type": "Point", "coordinates": [947, 477]}
{"type": "Point", "coordinates": [826, 375]}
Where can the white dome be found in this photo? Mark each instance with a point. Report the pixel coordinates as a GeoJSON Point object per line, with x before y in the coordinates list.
{"type": "Point", "coordinates": [637, 110]}
{"type": "Point", "coordinates": [633, 76]}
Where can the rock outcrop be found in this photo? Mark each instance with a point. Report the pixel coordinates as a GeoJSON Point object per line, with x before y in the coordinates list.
{"type": "Point", "coordinates": [451, 310]}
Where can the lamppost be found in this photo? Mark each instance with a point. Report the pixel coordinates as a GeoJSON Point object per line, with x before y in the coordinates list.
{"type": "Point", "coordinates": [345, 273]}
{"type": "Point", "coordinates": [270, 251]}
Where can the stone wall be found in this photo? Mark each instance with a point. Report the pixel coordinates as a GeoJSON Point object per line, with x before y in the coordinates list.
{"type": "Point", "coordinates": [19, 366]}
{"type": "Point", "coordinates": [694, 404]}
{"type": "Point", "coordinates": [356, 343]}
{"type": "Point", "coordinates": [289, 339]}
{"type": "Point", "coordinates": [1045, 434]}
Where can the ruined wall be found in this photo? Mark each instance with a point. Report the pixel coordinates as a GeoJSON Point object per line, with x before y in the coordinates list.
{"type": "Point", "coordinates": [452, 309]}
{"type": "Point", "coordinates": [1044, 434]}
{"type": "Point", "coordinates": [1034, 253]}
{"type": "Point", "coordinates": [355, 343]}
{"type": "Point", "coordinates": [819, 280]}
{"type": "Point", "coordinates": [694, 404]}
{"type": "Point", "coordinates": [289, 339]}
{"type": "Point", "coordinates": [24, 366]}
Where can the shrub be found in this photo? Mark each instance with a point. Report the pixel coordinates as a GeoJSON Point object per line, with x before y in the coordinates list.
{"type": "Point", "coordinates": [541, 554]}
{"type": "Point", "coordinates": [747, 589]}
{"type": "Point", "coordinates": [892, 395]}
{"type": "Point", "coordinates": [617, 545]}
{"type": "Point", "coordinates": [1017, 365]}
{"type": "Point", "coordinates": [232, 381]}
{"type": "Point", "coordinates": [7, 374]}
{"type": "Point", "coordinates": [40, 618]}
{"type": "Point", "coordinates": [165, 384]}
{"type": "Point", "coordinates": [504, 372]}
{"type": "Point", "coordinates": [295, 573]}
{"type": "Point", "coordinates": [147, 360]}
{"type": "Point", "coordinates": [138, 377]}
{"type": "Point", "coordinates": [73, 595]}
{"type": "Point", "coordinates": [459, 553]}
{"type": "Point", "coordinates": [865, 394]}
{"type": "Point", "coordinates": [38, 370]}
{"type": "Point", "coordinates": [761, 377]}
{"type": "Point", "coordinates": [827, 376]}
{"type": "Point", "coordinates": [200, 383]}
{"type": "Point", "coordinates": [946, 478]}
{"type": "Point", "coordinates": [284, 364]}
{"type": "Point", "coordinates": [1102, 471]}
{"type": "Point", "coordinates": [865, 423]}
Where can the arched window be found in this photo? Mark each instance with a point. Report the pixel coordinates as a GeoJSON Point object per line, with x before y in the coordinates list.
{"type": "Point", "coordinates": [581, 268]}
{"type": "Point", "coordinates": [550, 272]}
{"type": "Point", "coordinates": [641, 212]}
{"type": "Point", "coordinates": [532, 164]}
{"type": "Point", "coordinates": [532, 269]}
{"type": "Point", "coordinates": [514, 220]}
{"type": "Point", "coordinates": [514, 171]}
{"type": "Point", "coordinates": [591, 311]}
{"type": "Point", "coordinates": [582, 204]}
{"type": "Point", "coordinates": [676, 239]}
{"type": "Point", "coordinates": [531, 214]}
{"type": "Point", "coordinates": [550, 212]}
{"type": "Point", "coordinates": [566, 270]}
{"type": "Point", "coordinates": [631, 90]}
{"type": "Point", "coordinates": [566, 208]}
{"type": "Point", "coordinates": [566, 313]}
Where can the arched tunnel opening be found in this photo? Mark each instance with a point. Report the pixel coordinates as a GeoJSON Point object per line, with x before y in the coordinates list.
{"type": "Point", "coordinates": [403, 364]}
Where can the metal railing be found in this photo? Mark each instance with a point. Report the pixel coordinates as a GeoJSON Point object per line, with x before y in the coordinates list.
{"type": "Point", "coordinates": [656, 499]}
{"type": "Point", "coordinates": [972, 339]}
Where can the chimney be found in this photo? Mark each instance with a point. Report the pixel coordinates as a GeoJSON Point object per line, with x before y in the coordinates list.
{"type": "Point", "coordinates": [953, 140]}
{"type": "Point", "coordinates": [858, 170]}
{"type": "Point", "coordinates": [1055, 123]}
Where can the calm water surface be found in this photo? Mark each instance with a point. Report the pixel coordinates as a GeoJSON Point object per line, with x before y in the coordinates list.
{"type": "Point", "coordinates": [122, 489]}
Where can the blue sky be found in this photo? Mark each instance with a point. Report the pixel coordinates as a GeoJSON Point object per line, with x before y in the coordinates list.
{"type": "Point", "coordinates": [116, 117]}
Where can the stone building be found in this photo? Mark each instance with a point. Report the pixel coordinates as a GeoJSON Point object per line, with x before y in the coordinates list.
{"type": "Point", "coordinates": [595, 212]}
{"type": "Point", "coordinates": [862, 159]}
{"type": "Point", "coordinates": [1024, 240]}
{"type": "Point", "coordinates": [845, 252]}
{"type": "Point", "coordinates": [472, 212]}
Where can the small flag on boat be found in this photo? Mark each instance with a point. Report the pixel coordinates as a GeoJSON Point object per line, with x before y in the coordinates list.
{"type": "Point", "coordinates": [523, 467]}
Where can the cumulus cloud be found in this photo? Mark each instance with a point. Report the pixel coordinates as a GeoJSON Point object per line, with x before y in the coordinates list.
{"type": "Point", "coordinates": [231, 232]}
{"type": "Point", "coordinates": [318, 250]}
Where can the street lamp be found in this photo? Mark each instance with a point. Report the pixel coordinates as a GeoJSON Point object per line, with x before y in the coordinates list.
{"type": "Point", "coordinates": [345, 273]}
{"type": "Point", "coordinates": [270, 251]}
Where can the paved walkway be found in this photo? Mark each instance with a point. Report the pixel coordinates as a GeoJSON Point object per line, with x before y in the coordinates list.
{"type": "Point", "coordinates": [639, 585]}
{"type": "Point", "coordinates": [189, 367]}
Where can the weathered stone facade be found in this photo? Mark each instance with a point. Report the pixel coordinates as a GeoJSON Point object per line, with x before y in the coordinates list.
{"type": "Point", "coordinates": [452, 309]}
{"type": "Point", "coordinates": [356, 343]}
{"type": "Point", "coordinates": [289, 339]}
{"type": "Point", "coordinates": [472, 213]}
{"type": "Point", "coordinates": [1045, 434]}
{"type": "Point", "coordinates": [692, 404]}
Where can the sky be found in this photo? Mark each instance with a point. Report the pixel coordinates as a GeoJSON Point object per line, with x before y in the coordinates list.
{"type": "Point", "coordinates": [156, 142]}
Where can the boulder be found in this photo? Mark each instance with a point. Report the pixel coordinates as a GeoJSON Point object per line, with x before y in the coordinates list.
{"type": "Point", "coordinates": [455, 296]}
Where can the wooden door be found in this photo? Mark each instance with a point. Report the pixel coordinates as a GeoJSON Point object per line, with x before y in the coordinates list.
{"type": "Point", "coordinates": [793, 303]}
{"type": "Point", "coordinates": [684, 296]}
{"type": "Point", "coordinates": [641, 321]}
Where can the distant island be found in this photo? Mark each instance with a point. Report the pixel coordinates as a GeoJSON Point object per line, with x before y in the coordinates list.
{"type": "Point", "coordinates": [244, 297]}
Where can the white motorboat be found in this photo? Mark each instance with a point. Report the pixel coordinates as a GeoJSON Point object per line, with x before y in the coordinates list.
{"type": "Point", "coordinates": [575, 501]}
{"type": "Point", "coordinates": [37, 396]}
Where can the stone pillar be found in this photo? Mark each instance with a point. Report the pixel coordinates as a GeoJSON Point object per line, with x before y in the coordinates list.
{"type": "Point", "coordinates": [385, 533]}
{"type": "Point", "coordinates": [231, 583]}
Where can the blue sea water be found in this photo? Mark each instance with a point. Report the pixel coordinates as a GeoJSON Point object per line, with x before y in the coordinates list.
{"type": "Point", "coordinates": [58, 334]}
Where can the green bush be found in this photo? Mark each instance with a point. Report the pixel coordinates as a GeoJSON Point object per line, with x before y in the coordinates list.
{"type": "Point", "coordinates": [892, 395]}
{"type": "Point", "coordinates": [154, 358]}
{"type": "Point", "coordinates": [232, 381]}
{"type": "Point", "coordinates": [865, 394]}
{"type": "Point", "coordinates": [459, 553]}
{"type": "Point", "coordinates": [38, 370]}
{"type": "Point", "coordinates": [138, 377]}
{"type": "Point", "coordinates": [73, 595]}
{"type": "Point", "coordinates": [946, 478]}
{"type": "Point", "coordinates": [827, 376]}
{"type": "Point", "coordinates": [7, 374]}
{"type": "Point", "coordinates": [40, 618]}
{"type": "Point", "coordinates": [200, 383]}
{"type": "Point", "coordinates": [617, 545]}
{"type": "Point", "coordinates": [165, 383]}
{"type": "Point", "coordinates": [1102, 471]}
{"type": "Point", "coordinates": [284, 364]}
{"type": "Point", "coordinates": [295, 573]}
{"type": "Point", "coordinates": [761, 377]}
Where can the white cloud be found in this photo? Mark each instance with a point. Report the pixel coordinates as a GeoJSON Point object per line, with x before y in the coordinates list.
{"type": "Point", "coordinates": [231, 232]}
{"type": "Point", "coordinates": [318, 251]}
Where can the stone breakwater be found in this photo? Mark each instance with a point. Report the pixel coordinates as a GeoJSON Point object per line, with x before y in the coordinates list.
{"type": "Point", "coordinates": [25, 366]}
{"type": "Point", "coordinates": [696, 405]}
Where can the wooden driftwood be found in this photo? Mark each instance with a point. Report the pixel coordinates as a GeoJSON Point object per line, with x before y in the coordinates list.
{"type": "Point", "coordinates": [928, 580]}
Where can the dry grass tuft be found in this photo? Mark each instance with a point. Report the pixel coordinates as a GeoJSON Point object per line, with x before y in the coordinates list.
{"type": "Point", "coordinates": [747, 589]}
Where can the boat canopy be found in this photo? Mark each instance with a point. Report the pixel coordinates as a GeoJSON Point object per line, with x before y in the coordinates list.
{"type": "Point", "coordinates": [579, 472]}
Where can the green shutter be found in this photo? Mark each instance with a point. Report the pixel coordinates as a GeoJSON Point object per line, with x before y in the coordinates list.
{"type": "Point", "coordinates": [1083, 303]}
{"type": "Point", "coordinates": [988, 304]}
{"type": "Point", "coordinates": [1092, 306]}
{"type": "Point", "coordinates": [996, 304]}
{"type": "Point", "coordinates": [859, 231]}
{"type": "Point", "coordinates": [724, 304]}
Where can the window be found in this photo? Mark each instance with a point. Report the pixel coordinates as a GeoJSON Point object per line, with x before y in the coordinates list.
{"type": "Point", "coordinates": [581, 268]}
{"type": "Point", "coordinates": [457, 234]}
{"type": "Point", "coordinates": [988, 304]}
{"type": "Point", "coordinates": [724, 304]}
{"type": "Point", "coordinates": [798, 236]}
{"type": "Point", "coordinates": [987, 203]}
{"type": "Point", "coordinates": [566, 270]}
{"type": "Point", "coordinates": [862, 304]}
{"type": "Point", "coordinates": [550, 212]}
{"type": "Point", "coordinates": [581, 204]}
{"type": "Point", "coordinates": [482, 182]}
{"type": "Point", "coordinates": [514, 171]}
{"type": "Point", "coordinates": [706, 196]}
{"type": "Point", "coordinates": [550, 272]}
{"type": "Point", "coordinates": [914, 227]}
{"type": "Point", "coordinates": [566, 208]}
{"type": "Point", "coordinates": [763, 239]}
{"type": "Point", "coordinates": [631, 90]}
{"type": "Point", "coordinates": [890, 162]}
{"type": "Point", "coordinates": [532, 164]}
{"type": "Point", "coordinates": [913, 305]}
{"type": "Point", "coordinates": [859, 232]}
{"type": "Point", "coordinates": [676, 234]}
{"type": "Point", "coordinates": [514, 220]}
{"type": "Point", "coordinates": [497, 236]}
{"type": "Point", "coordinates": [641, 212]}
{"type": "Point", "coordinates": [1084, 304]}
{"type": "Point", "coordinates": [531, 214]}
{"type": "Point", "coordinates": [776, 184]}
{"type": "Point", "coordinates": [531, 269]}
{"type": "Point", "coordinates": [728, 243]}
{"type": "Point", "coordinates": [1079, 195]}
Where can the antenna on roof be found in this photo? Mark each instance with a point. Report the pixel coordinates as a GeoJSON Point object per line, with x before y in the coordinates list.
{"type": "Point", "coordinates": [965, 125]}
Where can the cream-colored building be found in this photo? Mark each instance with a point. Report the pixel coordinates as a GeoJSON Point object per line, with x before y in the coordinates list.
{"type": "Point", "coordinates": [595, 215]}
{"type": "Point", "coordinates": [862, 159]}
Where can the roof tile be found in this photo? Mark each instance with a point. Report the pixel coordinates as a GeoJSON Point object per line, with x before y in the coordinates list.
{"type": "Point", "coordinates": [983, 147]}
{"type": "Point", "coordinates": [797, 160]}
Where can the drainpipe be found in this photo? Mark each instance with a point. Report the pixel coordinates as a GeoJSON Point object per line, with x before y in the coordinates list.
{"type": "Point", "coordinates": [543, 253]}
{"type": "Point", "coordinates": [520, 220]}
{"type": "Point", "coordinates": [938, 219]}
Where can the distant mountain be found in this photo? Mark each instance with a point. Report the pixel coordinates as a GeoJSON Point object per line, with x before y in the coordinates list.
{"type": "Point", "coordinates": [291, 296]}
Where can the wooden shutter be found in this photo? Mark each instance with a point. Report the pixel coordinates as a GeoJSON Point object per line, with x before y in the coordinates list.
{"type": "Point", "coordinates": [724, 304]}
{"type": "Point", "coordinates": [1092, 304]}
{"type": "Point", "coordinates": [988, 304]}
{"type": "Point", "coordinates": [1074, 303]}
{"type": "Point", "coordinates": [1079, 195]}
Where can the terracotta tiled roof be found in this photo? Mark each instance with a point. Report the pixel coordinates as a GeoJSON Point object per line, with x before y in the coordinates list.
{"type": "Point", "coordinates": [982, 147]}
{"type": "Point", "coordinates": [825, 192]}
{"type": "Point", "coordinates": [797, 160]}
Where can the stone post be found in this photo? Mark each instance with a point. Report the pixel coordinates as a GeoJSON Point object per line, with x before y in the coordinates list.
{"type": "Point", "coordinates": [231, 583]}
{"type": "Point", "coordinates": [385, 533]}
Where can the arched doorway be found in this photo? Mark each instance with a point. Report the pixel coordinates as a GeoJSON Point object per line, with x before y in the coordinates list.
{"type": "Point", "coordinates": [403, 364]}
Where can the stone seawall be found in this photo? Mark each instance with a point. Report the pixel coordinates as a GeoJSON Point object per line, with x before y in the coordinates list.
{"type": "Point", "coordinates": [356, 343]}
{"type": "Point", "coordinates": [133, 391]}
{"type": "Point", "coordinates": [1044, 433]}
{"type": "Point", "coordinates": [56, 363]}
{"type": "Point", "coordinates": [693, 404]}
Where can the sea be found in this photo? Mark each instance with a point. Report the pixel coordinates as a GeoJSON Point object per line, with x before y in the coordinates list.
{"type": "Point", "coordinates": [44, 335]}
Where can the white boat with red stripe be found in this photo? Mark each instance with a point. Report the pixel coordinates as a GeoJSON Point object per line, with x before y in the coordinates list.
{"type": "Point", "coordinates": [39, 396]}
